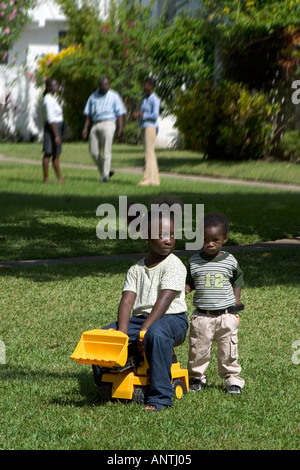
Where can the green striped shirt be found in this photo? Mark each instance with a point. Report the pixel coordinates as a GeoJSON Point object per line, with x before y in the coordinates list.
{"type": "Point", "coordinates": [213, 280]}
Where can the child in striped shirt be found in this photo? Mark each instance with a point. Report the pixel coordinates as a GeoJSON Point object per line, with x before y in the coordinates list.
{"type": "Point", "coordinates": [217, 279]}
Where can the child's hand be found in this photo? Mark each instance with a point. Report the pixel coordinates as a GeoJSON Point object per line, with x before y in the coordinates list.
{"type": "Point", "coordinates": [187, 289]}
{"type": "Point", "coordinates": [140, 341]}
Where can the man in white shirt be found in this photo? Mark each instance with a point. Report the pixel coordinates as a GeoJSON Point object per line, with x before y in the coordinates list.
{"type": "Point", "coordinates": [105, 110]}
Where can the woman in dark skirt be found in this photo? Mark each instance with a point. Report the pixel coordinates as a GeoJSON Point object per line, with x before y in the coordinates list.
{"type": "Point", "coordinates": [53, 130]}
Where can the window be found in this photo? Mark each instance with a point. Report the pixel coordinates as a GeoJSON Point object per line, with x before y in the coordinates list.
{"type": "Point", "coordinates": [61, 35]}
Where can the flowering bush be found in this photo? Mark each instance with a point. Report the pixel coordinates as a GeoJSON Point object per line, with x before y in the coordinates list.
{"type": "Point", "coordinates": [231, 17]}
{"type": "Point", "coordinates": [49, 60]}
{"type": "Point", "coordinates": [116, 47]}
{"type": "Point", "coordinates": [13, 16]}
{"type": "Point", "coordinates": [262, 28]}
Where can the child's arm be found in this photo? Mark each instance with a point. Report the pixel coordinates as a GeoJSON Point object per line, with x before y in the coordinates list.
{"type": "Point", "coordinates": [237, 284]}
{"type": "Point", "coordinates": [237, 294]}
{"type": "Point", "coordinates": [160, 307]}
{"type": "Point", "coordinates": [189, 283]}
{"type": "Point", "coordinates": [124, 310]}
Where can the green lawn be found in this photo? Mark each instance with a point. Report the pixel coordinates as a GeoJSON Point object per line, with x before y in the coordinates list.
{"type": "Point", "coordinates": [48, 221]}
{"type": "Point", "coordinates": [178, 161]}
{"type": "Point", "coordinates": [50, 402]}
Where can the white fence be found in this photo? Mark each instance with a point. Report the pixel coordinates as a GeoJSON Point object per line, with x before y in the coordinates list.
{"type": "Point", "coordinates": [20, 104]}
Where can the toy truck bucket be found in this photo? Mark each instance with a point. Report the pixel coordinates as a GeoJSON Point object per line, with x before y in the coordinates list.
{"type": "Point", "coordinates": [105, 348]}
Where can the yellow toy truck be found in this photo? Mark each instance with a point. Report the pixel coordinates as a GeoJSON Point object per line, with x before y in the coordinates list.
{"type": "Point", "coordinates": [122, 377]}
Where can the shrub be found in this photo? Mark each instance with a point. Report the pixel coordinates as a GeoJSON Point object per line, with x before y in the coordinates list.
{"type": "Point", "coordinates": [290, 146]}
{"type": "Point", "coordinates": [226, 122]}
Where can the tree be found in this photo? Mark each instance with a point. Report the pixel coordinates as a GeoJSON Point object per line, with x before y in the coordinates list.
{"type": "Point", "coordinates": [180, 56]}
{"type": "Point", "coordinates": [117, 47]}
{"type": "Point", "coordinates": [255, 37]}
{"type": "Point", "coordinates": [243, 18]}
{"type": "Point", "coordinates": [13, 17]}
{"type": "Point", "coordinates": [257, 51]}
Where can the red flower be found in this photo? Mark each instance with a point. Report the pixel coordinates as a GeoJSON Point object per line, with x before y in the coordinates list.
{"type": "Point", "coordinates": [105, 27]}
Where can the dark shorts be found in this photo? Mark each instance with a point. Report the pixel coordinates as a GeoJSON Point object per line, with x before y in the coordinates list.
{"type": "Point", "coordinates": [49, 147]}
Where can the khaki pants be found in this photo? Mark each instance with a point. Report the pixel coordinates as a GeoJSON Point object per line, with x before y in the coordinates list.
{"type": "Point", "coordinates": [204, 329]}
{"type": "Point", "coordinates": [101, 139]}
{"type": "Point", "coordinates": [151, 173]}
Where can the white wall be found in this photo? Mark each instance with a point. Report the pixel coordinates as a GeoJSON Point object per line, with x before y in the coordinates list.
{"type": "Point", "coordinates": [35, 42]}
{"type": "Point", "coordinates": [39, 37]}
{"type": "Point", "coordinates": [24, 117]}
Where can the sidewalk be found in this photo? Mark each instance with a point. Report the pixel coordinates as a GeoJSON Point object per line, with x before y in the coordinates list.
{"type": "Point", "coordinates": [259, 247]}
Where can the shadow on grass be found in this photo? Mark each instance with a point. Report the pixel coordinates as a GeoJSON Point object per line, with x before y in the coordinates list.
{"type": "Point", "coordinates": [30, 223]}
{"type": "Point", "coordinates": [165, 163]}
{"type": "Point", "coordinates": [53, 226]}
{"type": "Point", "coordinates": [87, 388]}
{"type": "Point", "coordinates": [264, 268]}
{"type": "Point", "coordinates": [86, 393]}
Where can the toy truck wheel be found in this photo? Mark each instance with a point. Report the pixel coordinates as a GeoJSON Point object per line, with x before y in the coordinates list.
{"type": "Point", "coordinates": [138, 395]}
{"type": "Point", "coordinates": [105, 390]}
{"type": "Point", "coordinates": [178, 388]}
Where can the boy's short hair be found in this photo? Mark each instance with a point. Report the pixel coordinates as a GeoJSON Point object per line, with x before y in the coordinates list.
{"type": "Point", "coordinates": [165, 202]}
{"type": "Point", "coordinates": [216, 219]}
{"type": "Point", "coordinates": [151, 81]}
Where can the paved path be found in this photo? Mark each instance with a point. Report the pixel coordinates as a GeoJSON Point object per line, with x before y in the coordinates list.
{"type": "Point", "coordinates": [139, 170]}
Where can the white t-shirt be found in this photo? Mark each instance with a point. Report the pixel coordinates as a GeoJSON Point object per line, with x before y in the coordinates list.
{"type": "Point", "coordinates": [53, 110]}
{"type": "Point", "coordinates": [148, 282]}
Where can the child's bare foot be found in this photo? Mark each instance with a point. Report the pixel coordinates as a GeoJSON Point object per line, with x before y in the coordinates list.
{"type": "Point", "coordinates": [61, 181]}
{"type": "Point", "coordinates": [46, 181]}
{"type": "Point", "coordinates": [153, 407]}
{"type": "Point", "coordinates": [150, 408]}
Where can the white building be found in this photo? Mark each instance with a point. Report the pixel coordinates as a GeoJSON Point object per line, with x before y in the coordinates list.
{"type": "Point", "coordinates": [17, 86]}
{"type": "Point", "coordinates": [39, 37]}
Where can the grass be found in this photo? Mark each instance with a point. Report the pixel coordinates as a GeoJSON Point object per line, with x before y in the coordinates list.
{"type": "Point", "coordinates": [51, 221]}
{"type": "Point", "coordinates": [176, 161]}
{"type": "Point", "coordinates": [50, 402]}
